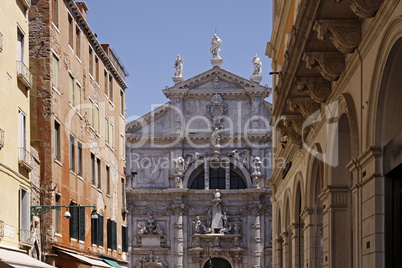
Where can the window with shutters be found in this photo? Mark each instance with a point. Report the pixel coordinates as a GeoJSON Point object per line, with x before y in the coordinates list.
{"type": "Point", "coordinates": [70, 31]}
{"type": "Point", "coordinates": [107, 180]}
{"type": "Point", "coordinates": [56, 70]}
{"type": "Point", "coordinates": [55, 12]}
{"type": "Point", "coordinates": [71, 90]}
{"type": "Point", "coordinates": [77, 222]}
{"type": "Point", "coordinates": [92, 169]}
{"type": "Point", "coordinates": [110, 87]}
{"type": "Point", "coordinates": [79, 158]}
{"type": "Point", "coordinates": [97, 231]}
{"type": "Point", "coordinates": [98, 173]}
{"type": "Point", "coordinates": [111, 235]}
{"type": "Point", "coordinates": [72, 153]}
{"type": "Point", "coordinates": [78, 42]}
{"type": "Point", "coordinates": [91, 63]}
{"type": "Point", "coordinates": [25, 217]}
{"type": "Point", "coordinates": [57, 153]}
{"type": "Point", "coordinates": [124, 238]}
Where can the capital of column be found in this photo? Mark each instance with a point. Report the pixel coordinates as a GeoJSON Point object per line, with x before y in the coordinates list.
{"type": "Point", "coordinates": [334, 197]}
{"type": "Point", "coordinates": [285, 238]}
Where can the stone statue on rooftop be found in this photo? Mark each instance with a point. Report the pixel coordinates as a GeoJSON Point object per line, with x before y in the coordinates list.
{"type": "Point", "coordinates": [178, 64]}
{"type": "Point", "coordinates": [257, 62]}
{"type": "Point", "coordinates": [216, 47]}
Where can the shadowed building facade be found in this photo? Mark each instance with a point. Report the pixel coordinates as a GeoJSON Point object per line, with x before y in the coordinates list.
{"type": "Point", "coordinates": [337, 116]}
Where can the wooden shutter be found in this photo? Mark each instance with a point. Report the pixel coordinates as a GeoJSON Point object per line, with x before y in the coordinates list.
{"type": "Point", "coordinates": [81, 227]}
{"type": "Point", "coordinates": [100, 230]}
{"type": "Point", "coordinates": [74, 221]}
{"type": "Point", "coordinates": [109, 233]}
{"type": "Point", "coordinates": [114, 234]}
{"type": "Point", "coordinates": [124, 238]}
{"type": "Point", "coordinates": [94, 231]}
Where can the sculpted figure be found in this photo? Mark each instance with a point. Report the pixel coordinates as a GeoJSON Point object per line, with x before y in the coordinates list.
{"type": "Point", "coordinates": [236, 227]}
{"type": "Point", "coordinates": [179, 161]}
{"type": "Point", "coordinates": [216, 47]}
{"type": "Point", "coordinates": [197, 225]}
{"type": "Point", "coordinates": [178, 64]}
{"type": "Point", "coordinates": [255, 165]}
{"type": "Point", "coordinates": [257, 62]}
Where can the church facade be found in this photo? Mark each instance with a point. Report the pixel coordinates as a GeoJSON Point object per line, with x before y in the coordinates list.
{"type": "Point", "coordinates": [196, 169]}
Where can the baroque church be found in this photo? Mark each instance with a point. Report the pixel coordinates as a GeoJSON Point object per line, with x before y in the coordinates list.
{"type": "Point", "coordinates": [197, 169]}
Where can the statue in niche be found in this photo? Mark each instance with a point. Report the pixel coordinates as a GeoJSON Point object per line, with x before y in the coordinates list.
{"type": "Point", "coordinates": [257, 62]}
{"type": "Point", "coordinates": [236, 227]}
{"type": "Point", "coordinates": [207, 228]}
{"type": "Point", "coordinates": [197, 225]}
{"type": "Point", "coordinates": [216, 47]}
{"type": "Point", "coordinates": [179, 164]}
{"type": "Point", "coordinates": [217, 224]}
{"type": "Point", "coordinates": [226, 225]}
{"type": "Point", "coordinates": [178, 64]}
{"type": "Point", "coordinates": [225, 220]}
{"type": "Point", "coordinates": [255, 165]}
{"type": "Point", "coordinates": [216, 138]}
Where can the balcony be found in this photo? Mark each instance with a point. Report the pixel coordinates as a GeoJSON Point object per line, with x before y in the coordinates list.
{"type": "Point", "coordinates": [24, 158]}
{"type": "Point", "coordinates": [26, 236]}
{"type": "Point", "coordinates": [1, 138]}
{"type": "Point", "coordinates": [23, 74]}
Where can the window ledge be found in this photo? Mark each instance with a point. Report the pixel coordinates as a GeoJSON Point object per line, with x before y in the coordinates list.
{"type": "Point", "coordinates": [111, 103]}
{"type": "Point", "coordinates": [57, 91]}
{"type": "Point", "coordinates": [78, 58]}
{"type": "Point", "coordinates": [55, 27]}
{"type": "Point", "coordinates": [72, 172]}
{"type": "Point", "coordinates": [58, 234]}
{"type": "Point", "coordinates": [58, 162]}
{"type": "Point", "coordinates": [94, 186]}
{"type": "Point", "coordinates": [72, 50]}
{"type": "Point", "coordinates": [99, 190]}
{"type": "Point", "coordinates": [81, 178]}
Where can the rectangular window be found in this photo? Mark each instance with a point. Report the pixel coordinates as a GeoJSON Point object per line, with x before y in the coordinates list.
{"type": "Point", "coordinates": [78, 98]}
{"type": "Point", "coordinates": [57, 153]}
{"type": "Point", "coordinates": [124, 238]}
{"type": "Point", "coordinates": [111, 135]}
{"type": "Point", "coordinates": [20, 45]}
{"type": "Point", "coordinates": [78, 42]}
{"type": "Point", "coordinates": [72, 152]}
{"type": "Point", "coordinates": [56, 67]}
{"type": "Point", "coordinates": [91, 113]}
{"type": "Point", "coordinates": [122, 106]}
{"type": "Point", "coordinates": [123, 194]}
{"type": "Point", "coordinates": [22, 129]}
{"type": "Point", "coordinates": [77, 222]}
{"type": "Point", "coordinates": [97, 231]}
{"type": "Point", "coordinates": [25, 216]}
{"type": "Point", "coordinates": [107, 180]}
{"type": "Point", "coordinates": [79, 157]}
{"type": "Point", "coordinates": [111, 235]}
{"type": "Point", "coordinates": [71, 90]}
{"type": "Point", "coordinates": [92, 169]}
{"type": "Point", "coordinates": [98, 172]}
{"type": "Point", "coordinates": [96, 118]}
{"type": "Point", "coordinates": [55, 12]}
{"type": "Point", "coordinates": [91, 66]}
{"type": "Point", "coordinates": [58, 214]}
{"type": "Point", "coordinates": [106, 82]}
{"type": "Point", "coordinates": [107, 140]}
{"type": "Point", "coordinates": [97, 70]}
{"type": "Point", "coordinates": [122, 147]}
{"type": "Point", "coordinates": [70, 31]}
{"type": "Point", "coordinates": [110, 87]}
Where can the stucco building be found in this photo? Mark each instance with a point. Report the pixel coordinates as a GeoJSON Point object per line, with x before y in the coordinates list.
{"type": "Point", "coordinates": [196, 169]}
{"type": "Point", "coordinates": [336, 108]}
{"type": "Point", "coordinates": [19, 162]}
{"type": "Point", "coordinates": [77, 103]}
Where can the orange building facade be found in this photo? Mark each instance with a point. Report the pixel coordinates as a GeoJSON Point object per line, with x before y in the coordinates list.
{"type": "Point", "coordinates": [78, 128]}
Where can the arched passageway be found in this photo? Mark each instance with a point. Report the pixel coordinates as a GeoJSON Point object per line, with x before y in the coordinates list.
{"type": "Point", "coordinates": [217, 263]}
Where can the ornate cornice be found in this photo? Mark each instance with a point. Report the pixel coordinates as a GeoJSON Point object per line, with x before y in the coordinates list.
{"type": "Point", "coordinates": [329, 64]}
{"type": "Point", "coordinates": [345, 34]}
{"type": "Point", "coordinates": [364, 8]}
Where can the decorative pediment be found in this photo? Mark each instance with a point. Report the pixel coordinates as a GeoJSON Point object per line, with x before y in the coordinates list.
{"type": "Point", "coordinates": [146, 119]}
{"type": "Point", "coordinates": [216, 79]}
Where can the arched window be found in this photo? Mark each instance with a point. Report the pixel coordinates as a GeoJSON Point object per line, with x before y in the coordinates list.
{"type": "Point", "coordinates": [217, 179]}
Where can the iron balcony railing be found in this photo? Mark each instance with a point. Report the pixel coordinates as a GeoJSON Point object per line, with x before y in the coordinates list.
{"type": "Point", "coordinates": [23, 74]}
{"type": "Point", "coordinates": [25, 158]}
{"type": "Point", "coordinates": [26, 236]}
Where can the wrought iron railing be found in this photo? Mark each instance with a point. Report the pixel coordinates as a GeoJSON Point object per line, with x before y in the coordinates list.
{"type": "Point", "coordinates": [25, 158]}
{"type": "Point", "coordinates": [26, 236]}
{"type": "Point", "coordinates": [23, 73]}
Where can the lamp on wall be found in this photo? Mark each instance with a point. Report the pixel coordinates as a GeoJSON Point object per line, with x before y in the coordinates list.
{"type": "Point", "coordinates": [40, 210]}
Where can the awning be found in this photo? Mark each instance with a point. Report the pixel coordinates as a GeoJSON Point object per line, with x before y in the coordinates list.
{"type": "Point", "coordinates": [97, 263]}
{"type": "Point", "coordinates": [112, 263]}
{"type": "Point", "coordinates": [20, 260]}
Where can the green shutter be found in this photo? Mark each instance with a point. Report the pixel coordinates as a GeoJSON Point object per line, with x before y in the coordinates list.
{"type": "Point", "coordinates": [100, 230]}
{"type": "Point", "coordinates": [114, 234]}
{"type": "Point", "coordinates": [124, 238]}
{"type": "Point", "coordinates": [81, 227]}
{"type": "Point", "coordinates": [74, 221]}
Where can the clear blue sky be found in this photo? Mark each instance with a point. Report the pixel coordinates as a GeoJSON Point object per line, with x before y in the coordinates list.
{"type": "Point", "coordinates": [147, 35]}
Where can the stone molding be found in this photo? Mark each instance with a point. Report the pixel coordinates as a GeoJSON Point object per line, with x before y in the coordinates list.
{"type": "Point", "coordinates": [364, 8]}
{"type": "Point", "coordinates": [334, 197]}
{"type": "Point", "coordinates": [306, 106]}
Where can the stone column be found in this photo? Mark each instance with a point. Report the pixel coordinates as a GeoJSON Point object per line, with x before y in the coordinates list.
{"type": "Point", "coordinates": [179, 242]}
{"type": "Point", "coordinates": [336, 227]}
{"type": "Point", "coordinates": [285, 249]}
{"type": "Point", "coordinates": [311, 260]}
{"type": "Point", "coordinates": [256, 242]}
{"type": "Point", "coordinates": [295, 244]}
{"type": "Point", "coordinates": [278, 253]}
